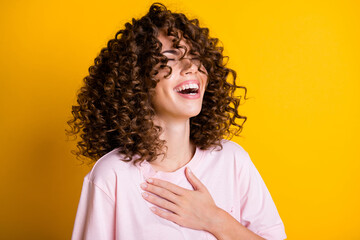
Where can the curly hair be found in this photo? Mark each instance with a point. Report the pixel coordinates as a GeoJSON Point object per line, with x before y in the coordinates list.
{"type": "Point", "coordinates": [114, 108]}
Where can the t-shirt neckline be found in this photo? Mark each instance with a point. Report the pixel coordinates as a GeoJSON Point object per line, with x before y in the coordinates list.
{"type": "Point", "coordinates": [148, 171]}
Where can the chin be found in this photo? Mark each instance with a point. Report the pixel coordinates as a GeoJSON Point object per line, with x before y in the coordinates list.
{"type": "Point", "coordinates": [194, 113]}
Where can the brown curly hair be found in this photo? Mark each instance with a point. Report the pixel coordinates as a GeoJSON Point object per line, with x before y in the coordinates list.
{"type": "Point", "coordinates": [114, 108]}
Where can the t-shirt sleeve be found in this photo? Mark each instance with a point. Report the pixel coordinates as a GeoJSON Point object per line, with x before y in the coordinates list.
{"type": "Point", "coordinates": [95, 217]}
{"type": "Point", "coordinates": [258, 210]}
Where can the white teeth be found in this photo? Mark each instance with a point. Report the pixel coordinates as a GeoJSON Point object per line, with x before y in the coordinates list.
{"type": "Point", "coordinates": [187, 86]}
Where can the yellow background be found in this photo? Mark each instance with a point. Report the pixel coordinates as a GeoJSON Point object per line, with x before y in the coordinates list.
{"type": "Point", "coordinates": [298, 59]}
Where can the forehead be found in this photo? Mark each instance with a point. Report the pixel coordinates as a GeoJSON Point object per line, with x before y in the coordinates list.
{"type": "Point", "coordinates": [167, 43]}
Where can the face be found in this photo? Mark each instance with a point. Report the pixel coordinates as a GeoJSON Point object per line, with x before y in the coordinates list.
{"type": "Point", "coordinates": [179, 96]}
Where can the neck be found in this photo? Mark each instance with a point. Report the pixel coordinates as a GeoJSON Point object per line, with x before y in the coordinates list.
{"type": "Point", "coordinates": [180, 150]}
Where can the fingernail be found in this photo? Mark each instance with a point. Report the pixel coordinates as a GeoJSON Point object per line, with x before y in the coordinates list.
{"type": "Point", "coordinates": [144, 194]}
{"type": "Point", "coordinates": [149, 180]}
{"type": "Point", "coordinates": [143, 185]}
{"type": "Point", "coordinates": [188, 169]}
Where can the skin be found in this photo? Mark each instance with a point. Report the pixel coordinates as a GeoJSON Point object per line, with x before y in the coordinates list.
{"type": "Point", "coordinates": [188, 208]}
{"type": "Point", "coordinates": [173, 112]}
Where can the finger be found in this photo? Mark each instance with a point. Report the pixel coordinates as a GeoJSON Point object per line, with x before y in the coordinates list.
{"type": "Point", "coordinates": [163, 203]}
{"type": "Point", "coordinates": [162, 192]}
{"type": "Point", "coordinates": [165, 214]}
{"type": "Point", "coordinates": [167, 185]}
{"type": "Point", "coordinates": [195, 182]}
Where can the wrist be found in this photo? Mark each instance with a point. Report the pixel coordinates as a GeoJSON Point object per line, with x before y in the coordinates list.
{"type": "Point", "coordinates": [217, 221]}
{"type": "Point", "coordinates": [223, 226]}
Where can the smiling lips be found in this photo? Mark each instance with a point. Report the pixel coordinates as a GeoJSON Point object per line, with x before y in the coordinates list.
{"type": "Point", "coordinates": [188, 89]}
{"type": "Point", "coordinates": [194, 85]}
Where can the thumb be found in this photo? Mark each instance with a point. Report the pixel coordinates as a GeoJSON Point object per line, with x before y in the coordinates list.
{"type": "Point", "coordinates": [195, 182]}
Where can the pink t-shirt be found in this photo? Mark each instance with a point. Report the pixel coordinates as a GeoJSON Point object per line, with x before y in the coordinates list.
{"type": "Point", "coordinates": [111, 205]}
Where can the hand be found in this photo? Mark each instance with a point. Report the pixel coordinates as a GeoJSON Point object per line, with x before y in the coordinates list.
{"type": "Point", "coordinates": [188, 208]}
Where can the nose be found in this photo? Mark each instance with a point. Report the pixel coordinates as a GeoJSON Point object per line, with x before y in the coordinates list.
{"type": "Point", "coordinates": [188, 66]}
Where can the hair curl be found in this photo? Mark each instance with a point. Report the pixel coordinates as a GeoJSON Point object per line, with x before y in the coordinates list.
{"type": "Point", "coordinates": [114, 108]}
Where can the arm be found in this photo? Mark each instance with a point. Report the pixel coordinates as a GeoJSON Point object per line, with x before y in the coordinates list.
{"type": "Point", "coordinates": [194, 209]}
{"type": "Point", "coordinates": [225, 227]}
{"type": "Point", "coordinates": [95, 214]}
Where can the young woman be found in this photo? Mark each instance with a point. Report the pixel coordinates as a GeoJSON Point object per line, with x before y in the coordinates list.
{"type": "Point", "coordinates": [153, 114]}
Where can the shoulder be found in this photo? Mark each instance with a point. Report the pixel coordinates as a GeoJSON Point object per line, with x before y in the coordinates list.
{"type": "Point", "coordinates": [232, 157]}
{"type": "Point", "coordinates": [108, 169]}
{"type": "Point", "coordinates": [232, 150]}
{"type": "Point", "coordinates": [233, 147]}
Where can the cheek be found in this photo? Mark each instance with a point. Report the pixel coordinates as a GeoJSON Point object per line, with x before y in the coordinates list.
{"type": "Point", "coordinates": [160, 93]}
{"type": "Point", "coordinates": [203, 68]}
{"type": "Point", "coordinates": [205, 78]}
{"type": "Point", "coordinates": [162, 73]}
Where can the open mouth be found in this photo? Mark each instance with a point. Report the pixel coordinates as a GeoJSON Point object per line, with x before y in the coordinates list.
{"type": "Point", "coordinates": [189, 89]}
